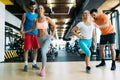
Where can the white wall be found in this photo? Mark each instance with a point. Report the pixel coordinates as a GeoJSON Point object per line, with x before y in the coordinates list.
{"type": "Point", "coordinates": [2, 31]}
{"type": "Point", "coordinates": [5, 16]}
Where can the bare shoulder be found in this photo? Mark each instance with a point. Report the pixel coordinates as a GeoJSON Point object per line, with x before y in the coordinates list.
{"type": "Point", "coordinates": [48, 18]}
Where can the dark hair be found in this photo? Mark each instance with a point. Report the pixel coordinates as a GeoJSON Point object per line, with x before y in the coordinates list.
{"type": "Point", "coordinates": [40, 5]}
{"type": "Point", "coordinates": [32, 3]}
{"type": "Point", "coordinates": [93, 10]}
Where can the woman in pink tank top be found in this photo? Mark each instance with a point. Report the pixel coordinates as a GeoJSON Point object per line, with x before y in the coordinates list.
{"type": "Point", "coordinates": [43, 37]}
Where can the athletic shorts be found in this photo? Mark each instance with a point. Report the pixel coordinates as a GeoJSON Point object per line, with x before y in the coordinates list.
{"type": "Point", "coordinates": [31, 41]}
{"type": "Point", "coordinates": [110, 38]}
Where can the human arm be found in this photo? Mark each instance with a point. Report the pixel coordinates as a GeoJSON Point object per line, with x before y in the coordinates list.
{"type": "Point", "coordinates": [52, 25]}
{"type": "Point", "coordinates": [105, 25]}
{"type": "Point", "coordinates": [22, 23]}
{"type": "Point", "coordinates": [94, 39]}
{"type": "Point", "coordinates": [74, 31]}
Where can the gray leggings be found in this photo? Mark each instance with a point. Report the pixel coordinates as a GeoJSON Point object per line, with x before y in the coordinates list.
{"type": "Point", "coordinates": [44, 42]}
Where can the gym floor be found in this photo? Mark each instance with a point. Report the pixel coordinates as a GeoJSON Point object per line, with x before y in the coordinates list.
{"type": "Point", "coordinates": [60, 71]}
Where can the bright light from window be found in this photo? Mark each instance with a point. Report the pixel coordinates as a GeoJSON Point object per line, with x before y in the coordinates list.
{"type": "Point", "coordinates": [65, 26]}
{"type": "Point", "coordinates": [54, 20]}
{"type": "Point", "coordinates": [72, 1]}
{"type": "Point", "coordinates": [118, 8]}
{"type": "Point", "coordinates": [67, 20]}
{"type": "Point", "coordinates": [49, 1]}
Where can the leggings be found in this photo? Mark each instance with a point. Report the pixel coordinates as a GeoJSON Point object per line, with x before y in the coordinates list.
{"type": "Point", "coordinates": [44, 42]}
{"type": "Point", "coordinates": [85, 46]}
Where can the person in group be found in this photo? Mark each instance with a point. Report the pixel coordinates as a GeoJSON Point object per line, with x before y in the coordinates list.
{"type": "Point", "coordinates": [42, 23]}
{"type": "Point", "coordinates": [86, 36]}
{"type": "Point", "coordinates": [30, 38]}
{"type": "Point", "coordinates": [107, 36]}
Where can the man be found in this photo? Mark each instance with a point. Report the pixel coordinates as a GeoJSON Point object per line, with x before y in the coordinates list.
{"type": "Point", "coordinates": [107, 36]}
{"type": "Point", "coordinates": [30, 39]}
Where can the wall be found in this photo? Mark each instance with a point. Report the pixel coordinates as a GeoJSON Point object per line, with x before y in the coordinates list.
{"type": "Point", "coordinates": [5, 16]}
{"type": "Point", "coordinates": [2, 31]}
{"type": "Point", "coordinates": [10, 18]}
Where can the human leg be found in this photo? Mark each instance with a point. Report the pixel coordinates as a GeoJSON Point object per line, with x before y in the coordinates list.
{"type": "Point", "coordinates": [35, 45]}
{"type": "Point", "coordinates": [27, 46]}
{"type": "Point", "coordinates": [113, 55]}
{"type": "Point", "coordinates": [44, 43]}
{"type": "Point", "coordinates": [102, 56]}
{"type": "Point", "coordinates": [85, 45]}
{"type": "Point", "coordinates": [34, 65]}
{"type": "Point", "coordinates": [26, 60]}
{"type": "Point", "coordinates": [103, 41]}
{"type": "Point", "coordinates": [111, 39]}
{"type": "Point", "coordinates": [44, 51]}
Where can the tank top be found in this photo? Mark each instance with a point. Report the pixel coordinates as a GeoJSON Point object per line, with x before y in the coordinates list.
{"type": "Point", "coordinates": [29, 22]}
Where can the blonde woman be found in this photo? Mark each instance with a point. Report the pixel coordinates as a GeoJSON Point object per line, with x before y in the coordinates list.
{"type": "Point", "coordinates": [87, 34]}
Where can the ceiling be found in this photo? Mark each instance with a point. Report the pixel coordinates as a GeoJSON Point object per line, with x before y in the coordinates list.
{"type": "Point", "coordinates": [65, 13]}
{"type": "Point", "coordinates": [61, 11]}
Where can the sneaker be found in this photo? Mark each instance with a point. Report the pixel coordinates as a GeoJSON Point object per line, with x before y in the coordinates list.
{"type": "Point", "coordinates": [88, 69]}
{"type": "Point", "coordinates": [101, 64]}
{"type": "Point", "coordinates": [26, 68]}
{"type": "Point", "coordinates": [35, 67]}
{"type": "Point", "coordinates": [42, 72]}
{"type": "Point", "coordinates": [113, 67]}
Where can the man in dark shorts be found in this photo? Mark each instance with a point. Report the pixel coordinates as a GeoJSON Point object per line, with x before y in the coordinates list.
{"type": "Point", "coordinates": [107, 36]}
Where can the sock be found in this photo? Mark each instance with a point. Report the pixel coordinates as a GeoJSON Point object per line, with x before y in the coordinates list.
{"type": "Point", "coordinates": [103, 61]}
{"type": "Point", "coordinates": [26, 62]}
{"type": "Point", "coordinates": [34, 62]}
{"type": "Point", "coordinates": [113, 61]}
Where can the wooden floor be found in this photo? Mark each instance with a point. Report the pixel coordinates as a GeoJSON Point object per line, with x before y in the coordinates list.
{"type": "Point", "coordinates": [59, 71]}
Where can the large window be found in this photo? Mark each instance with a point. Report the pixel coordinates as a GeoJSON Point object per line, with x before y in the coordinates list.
{"type": "Point", "coordinates": [115, 16]}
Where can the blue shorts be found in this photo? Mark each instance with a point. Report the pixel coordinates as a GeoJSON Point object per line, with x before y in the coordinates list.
{"type": "Point", "coordinates": [85, 46]}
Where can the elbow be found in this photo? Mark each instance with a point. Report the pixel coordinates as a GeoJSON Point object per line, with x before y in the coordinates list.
{"type": "Point", "coordinates": [72, 31]}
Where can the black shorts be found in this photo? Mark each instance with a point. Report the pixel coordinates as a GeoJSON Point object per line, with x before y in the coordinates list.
{"type": "Point", "coordinates": [110, 38]}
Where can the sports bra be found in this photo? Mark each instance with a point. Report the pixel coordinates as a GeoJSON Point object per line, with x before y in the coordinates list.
{"type": "Point", "coordinates": [42, 25]}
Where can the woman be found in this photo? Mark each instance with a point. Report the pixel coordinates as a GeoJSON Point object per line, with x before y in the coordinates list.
{"type": "Point", "coordinates": [43, 37]}
{"type": "Point", "coordinates": [87, 32]}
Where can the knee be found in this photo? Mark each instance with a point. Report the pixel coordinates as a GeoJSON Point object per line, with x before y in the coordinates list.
{"type": "Point", "coordinates": [42, 52]}
{"type": "Point", "coordinates": [112, 49]}
{"type": "Point", "coordinates": [101, 49]}
{"type": "Point", "coordinates": [88, 54]}
{"type": "Point", "coordinates": [35, 51]}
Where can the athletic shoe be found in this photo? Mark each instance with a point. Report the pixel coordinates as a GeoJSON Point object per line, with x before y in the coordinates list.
{"type": "Point", "coordinates": [26, 68]}
{"type": "Point", "coordinates": [113, 67]}
{"type": "Point", "coordinates": [88, 69]}
{"type": "Point", "coordinates": [35, 67]}
{"type": "Point", "coordinates": [42, 72]}
{"type": "Point", "coordinates": [101, 64]}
